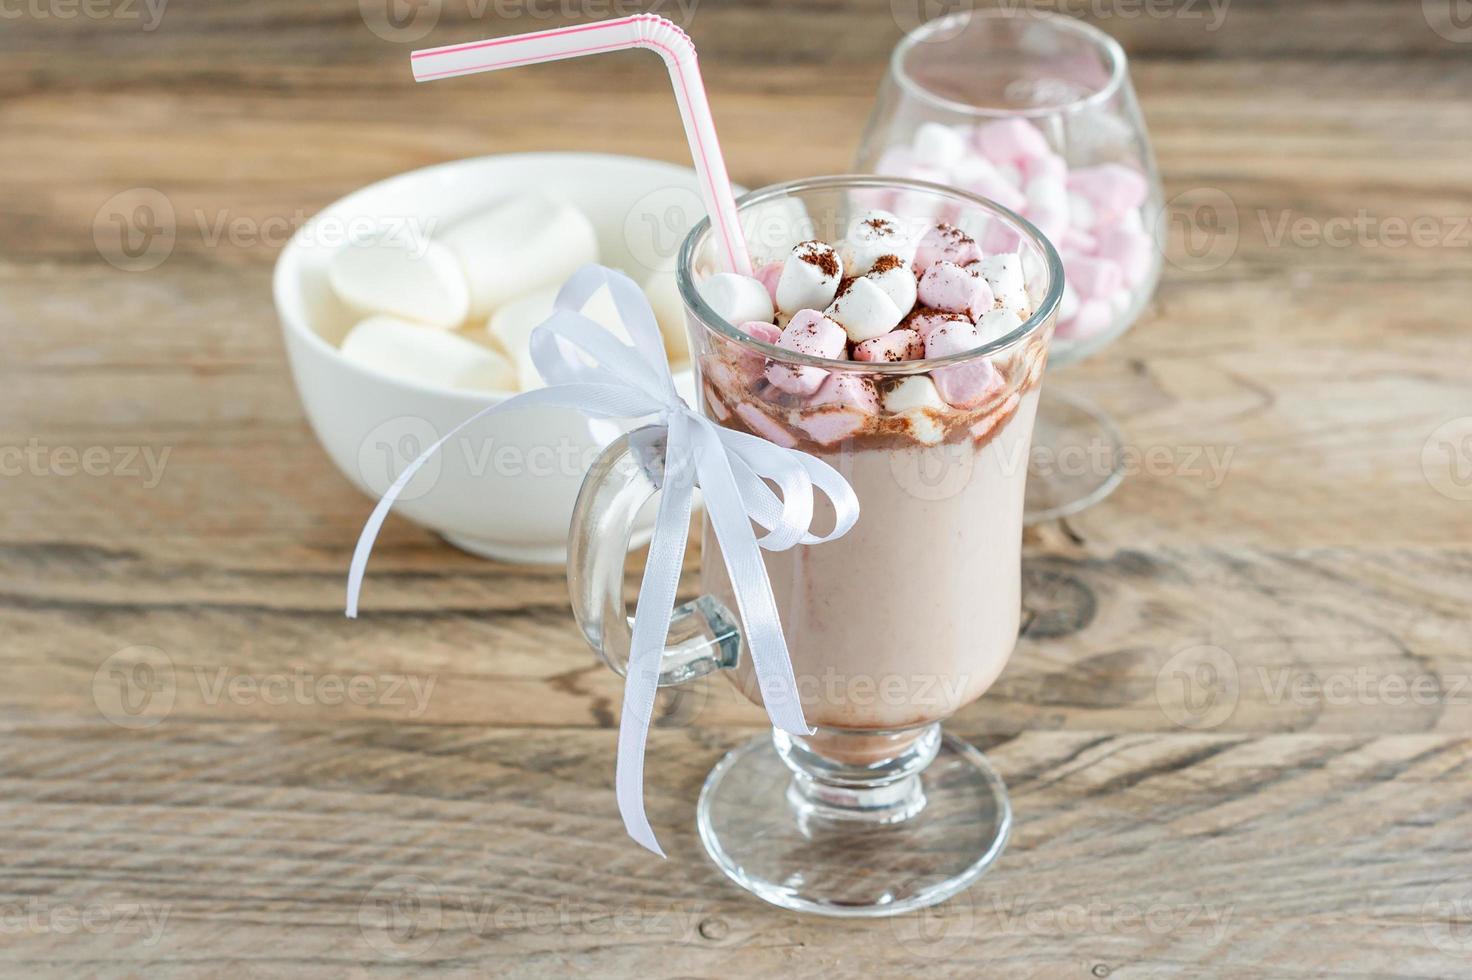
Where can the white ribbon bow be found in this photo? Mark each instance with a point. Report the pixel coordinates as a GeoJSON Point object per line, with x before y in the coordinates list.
{"type": "Point", "coordinates": [730, 467]}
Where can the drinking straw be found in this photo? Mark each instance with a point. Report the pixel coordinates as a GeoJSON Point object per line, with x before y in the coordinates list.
{"type": "Point", "coordinates": [621, 34]}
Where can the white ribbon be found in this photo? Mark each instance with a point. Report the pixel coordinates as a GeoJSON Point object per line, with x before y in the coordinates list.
{"type": "Point", "coordinates": [587, 369]}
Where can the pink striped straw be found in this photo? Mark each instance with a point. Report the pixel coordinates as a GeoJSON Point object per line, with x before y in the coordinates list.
{"type": "Point", "coordinates": [620, 34]}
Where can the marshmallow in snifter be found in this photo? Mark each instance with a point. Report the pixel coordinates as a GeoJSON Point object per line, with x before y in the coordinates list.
{"type": "Point", "coordinates": [916, 400]}
{"type": "Point", "coordinates": [1004, 274]}
{"type": "Point", "coordinates": [520, 245]}
{"type": "Point", "coordinates": [872, 235]}
{"type": "Point", "coordinates": [893, 275]}
{"type": "Point", "coordinates": [736, 298]}
{"type": "Point", "coordinates": [810, 277]}
{"type": "Point", "coordinates": [434, 358]}
{"type": "Point", "coordinates": [865, 310]}
{"type": "Point", "coordinates": [419, 281]}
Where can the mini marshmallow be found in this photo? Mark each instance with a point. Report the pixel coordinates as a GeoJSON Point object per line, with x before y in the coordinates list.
{"type": "Point", "coordinates": [1093, 278]}
{"type": "Point", "coordinates": [751, 364]}
{"type": "Point", "coordinates": [952, 338]}
{"type": "Point", "coordinates": [1047, 206]}
{"type": "Point", "coordinates": [916, 400]}
{"type": "Point", "coordinates": [420, 282]}
{"type": "Point", "coordinates": [903, 344]}
{"type": "Point", "coordinates": [811, 333]}
{"type": "Point", "coordinates": [763, 425]}
{"type": "Point", "coordinates": [1077, 242]}
{"type": "Point", "coordinates": [422, 355]}
{"type": "Point", "coordinates": [737, 298]}
{"type": "Point", "coordinates": [945, 243]}
{"type": "Point", "coordinates": [840, 409]}
{"type": "Point", "coordinates": [939, 145]}
{"type": "Point", "coordinates": [1134, 251]}
{"type": "Point", "coordinates": [1011, 141]}
{"type": "Point", "coordinates": [874, 234]}
{"type": "Point", "coordinates": [924, 320]}
{"type": "Point", "coordinates": [979, 176]}
{"type": "Point", "coordinates": [1004, 274]}
{"type": "Point", "coordinates": [865, 310]}
{"type": "Point", "coordinates": [1093, 318]}
{"type": "Point", "coordinates": [1081, 212]}
{"type": "Point", "coordinates": [520, 245]}
{"type": "Point", "coordinates": [896, 278]}
{"type": "Point", "coordinates": [1047, 167]}
{"type": "Point", "coordinates": [766, 332]}
{"type": "Point", "coordinates": [970, 384]}
{"type": "Point", "coordinates": [996, 324]}
{"type": "Point", "coordinates": [1000, 237]}
{"type": "Point", "coordinates": [810, 277]}
{"type": "Point", "coordinates": [949, 287]}
{"type": "Point", "coordinates": [1112, 188]}
{"type": "Point", "coordinates": [769, 275]}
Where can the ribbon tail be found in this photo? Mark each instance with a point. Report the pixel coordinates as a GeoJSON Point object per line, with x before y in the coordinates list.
{"type": "Point", "coordinates": [657, 594]}
{"type": "Point", "coordinates": [749, 581]}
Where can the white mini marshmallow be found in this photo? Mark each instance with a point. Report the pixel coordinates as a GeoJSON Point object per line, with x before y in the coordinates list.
{"type": "Point", "coordinates": [916, 399]}
{"type": "Point", "coordinates": [871, 235]}
{"type": "Point", "coordinates": [996, 324]}
{"type": "Point", "coordinates": [413, 281]}
{"type": "Point", "coordinates": [898, 282]}
{"type": "Point", "coordinates": [864, 310]}
{"type": "Point", "coordinates": [810, 277]}
{"type": "Point", "coordinates": [522, 244]}
{"type": "Point", "coordinates": [939, 145]}
{"type": "Point", "coordinates": [736, 298]}
{"type": "Point", "coordinates": [435, 358]}
{"type": "Point", "coordinates": [1004, 274]}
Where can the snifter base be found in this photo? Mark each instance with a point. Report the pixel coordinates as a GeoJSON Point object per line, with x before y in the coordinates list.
{"type": "Point", "coordinates": [851, 841]}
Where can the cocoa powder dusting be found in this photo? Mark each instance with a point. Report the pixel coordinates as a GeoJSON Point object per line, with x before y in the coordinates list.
{"type": "Point", "coordinates": [819, 254]}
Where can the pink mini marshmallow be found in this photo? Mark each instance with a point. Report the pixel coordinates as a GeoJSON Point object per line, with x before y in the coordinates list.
{"type": "Point", "coordinates": [903, 344]}
{"type": "Point", "coordinates": [808, 332]}
{"type": "Point", "coordinates": [925, 320]}
{"type": "Point", "coordinates": [840, 409]}
{"type": "Point", "coordinates": [945, 243]}
{"type": "Point", "coordinates": [968, 385]}
{"type": "Point", "coordinates": [1132, 250]}
{"type": "Point", "coordinates": [761, 424]}
{"type": "Point", "coordinates": [768, 275]}
{"type": "Point", "coordinates": [990, 184]}
{"type": "Point", "coordinates": [949, 287]}
{"type": "Point", "coordinates": [1011, 141]}
{"type": "Point", "coordinates": [1078, 242]}
{"type": "Point", "coordinates": [1093, 278]}
{"type": "Point", "coordinates": [750, 363]}
{"type": "Point", "coordinates": [1049, 166]}
{"type": "Point", "coordinates": [1093, 317]}
{"type": "Point", "coordinates": [1000, 238]}
{"type": "Point", "coordinates": [1111, 188]}
{"type": "Point", "coordinates": [953, 337]}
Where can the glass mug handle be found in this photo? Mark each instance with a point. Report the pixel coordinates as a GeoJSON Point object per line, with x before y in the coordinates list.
{"type": "Point", "coordinates": [703, 634]}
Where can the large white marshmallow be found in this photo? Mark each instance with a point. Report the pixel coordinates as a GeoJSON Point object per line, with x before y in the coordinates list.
{"type": "Point", "coordinates": [810, 277]}
{"type": "Point", "coordinates": [522, 244]}
{"type": "Point", "coordinates": [413, 281]}
{"type": "Point", "coordinates": [662, 290]}
{"type": "Point", "coordinates": [422, 355]}
{"type": "Point", "coordinates": [916, 399]}
{"type": "Point", "coordinates": [737, 298]}
{"type": "Point", "coordinates": [513, 323]}
{"type": "Point", "coordinates": [873, 234]}
{"type": "Point", "coordinates": [864, 310]}
{"type": "Point", "coordinates": [1004, 274]}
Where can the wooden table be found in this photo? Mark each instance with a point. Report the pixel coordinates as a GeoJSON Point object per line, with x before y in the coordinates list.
{"type": "Point", "coordinates": [1301, 811]}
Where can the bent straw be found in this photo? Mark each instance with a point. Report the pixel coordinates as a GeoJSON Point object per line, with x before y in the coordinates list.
{"type": "Point", "coordinates": [621, 34]}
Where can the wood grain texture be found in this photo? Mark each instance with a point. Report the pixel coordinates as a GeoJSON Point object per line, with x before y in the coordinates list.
{"type": "Point", "coordinates": [1235, 727]}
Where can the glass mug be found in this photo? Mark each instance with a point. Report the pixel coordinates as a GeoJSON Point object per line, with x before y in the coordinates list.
{"type": "Point", "coordinates": [1070, 83]}
{"type": "Point", "coordinates": [891, 629]}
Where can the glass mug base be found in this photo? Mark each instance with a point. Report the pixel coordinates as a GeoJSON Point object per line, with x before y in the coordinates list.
{"type": "Point", "coordinates": [791, 823]}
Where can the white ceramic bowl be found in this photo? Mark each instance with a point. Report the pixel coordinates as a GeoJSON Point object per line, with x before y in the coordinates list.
{"type": "Point", "coordinates": [504, 487]}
